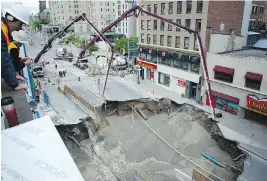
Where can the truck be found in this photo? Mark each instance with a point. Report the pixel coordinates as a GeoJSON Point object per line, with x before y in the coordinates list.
{"type": "Point", "coordinates": [64, 54]}
{"type": "Point", "coordinates": [119, 63]}
{"type": "Point", "coordinates": [37, 71]}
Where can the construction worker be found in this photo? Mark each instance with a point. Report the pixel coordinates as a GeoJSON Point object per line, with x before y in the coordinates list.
{"type": "Point", "coordinates": [19, 37]}
{"type": "Point", "coordinates": [15, 15]}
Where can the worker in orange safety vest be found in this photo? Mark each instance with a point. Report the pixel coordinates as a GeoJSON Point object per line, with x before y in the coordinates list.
{"type": "Point", "coordinates": [15, 15]}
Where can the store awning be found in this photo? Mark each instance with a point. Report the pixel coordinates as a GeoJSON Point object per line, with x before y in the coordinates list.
{"type": "Point", "coordinates": [225, 97]}
{"type": "Point", "coordinates": [253, 76]}
{"type": "Point", "coordinates": [224, 70]}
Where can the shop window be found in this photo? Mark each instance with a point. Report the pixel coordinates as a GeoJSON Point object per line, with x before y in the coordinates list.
{"type": "Point", "coordinates": [170, 10]}
{"type": "Point", "coordinates": [223, 76]}
{"type": "Point", "coordinates": [226, 106]}
{"type": "Point", "coordinates": [188, 6]}
{"type": "Point", "coordinates": [143, 56]}
{"type": "Point", "coordinates": [195, 67]}
{"type": "Point", "coordinates": [199, 6]}
{"type": "Point", "coordinates": [162, 11]}
{"type": "Point", "coordinates": [253, 84]}
{"type": "Point", "coordinates": [155, 24]}
{"type": "Point", "coordinates": [178, 21]}
{"type": "Point", "coordinates": [165, 61]}
{"type": "Point", "coordinates": [155, 8]}
{"type": "Point", "coordinates": [164, 79]}
{"type": "Point", "coordinates": [162, 25]}
{"type": "Point", "coordinates": [148, 24]}
{"type": "Point", "coordinates": [184, 65]}
{"type": "Point", "coordinates": [170, 26]}
{"type": "Point", "coordinates": [149, 8]}
{"type": "Point", "coordinates": [149, 57]}
{"type": "Point", "coordinates": [255, 116]}
{"type": "Point", "coordinates": [179, 7]}
{"type": "Point", "coordinates": [177, 64]}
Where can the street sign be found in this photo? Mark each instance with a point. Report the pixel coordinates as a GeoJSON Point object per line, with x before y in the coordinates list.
{"type": "Point", "coordinates": [132, 46]}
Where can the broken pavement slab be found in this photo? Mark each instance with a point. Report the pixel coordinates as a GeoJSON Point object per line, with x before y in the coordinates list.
{"type": "Point", "coordinates": [39, 154]}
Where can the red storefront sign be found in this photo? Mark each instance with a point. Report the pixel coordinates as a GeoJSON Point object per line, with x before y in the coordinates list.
{"type": "Point", "coordinates": [253, 102]}
{"type": "Point", "coordinates": [147, 65]}
{"type": "Point", "coordinates": [182, 83]}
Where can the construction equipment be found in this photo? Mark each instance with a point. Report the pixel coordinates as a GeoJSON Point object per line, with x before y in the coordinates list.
{"type": "Point", "coordinates": [64, 54]}
{"type": "Point", "coordinates": [134, 11]}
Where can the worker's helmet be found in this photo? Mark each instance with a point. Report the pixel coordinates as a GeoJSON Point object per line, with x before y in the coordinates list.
{"type": "Point", "coordinates": [20, 36]}
{"type": "Point", "coordinates": [13, 11]}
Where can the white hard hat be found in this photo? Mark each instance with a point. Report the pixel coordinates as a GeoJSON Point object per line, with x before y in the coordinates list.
{"type": "Point", "coordinates": [18, 11]}
{"type": "Point", "coordinates": [20, 36]}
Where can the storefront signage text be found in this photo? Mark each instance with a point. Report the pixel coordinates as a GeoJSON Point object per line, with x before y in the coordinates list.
{"type": "Point", "coordinates": [181, 83]}
{"type": "Point", "coordinates": [146, 65]}
{"type": "Point", "coordinates": [255, 103]}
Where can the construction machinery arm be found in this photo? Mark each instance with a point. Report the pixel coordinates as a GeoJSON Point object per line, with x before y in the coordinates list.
{"type": "Point", "coordinates": [59, 34]}
{"type": "Point", "coordinates": [135, 12]}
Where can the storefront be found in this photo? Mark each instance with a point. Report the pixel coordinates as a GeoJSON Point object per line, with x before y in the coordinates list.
{"type": "Point", "coordinates": [149, 70]}
{"type": "Point", "coordinates": [256, 109]}
{"type": "Point", "coordinates": [223, 102]}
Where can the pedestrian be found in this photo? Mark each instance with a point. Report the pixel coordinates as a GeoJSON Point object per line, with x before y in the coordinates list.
{"type": "Point", "coordinates": [14, 16]}
{"type": "Point", "coordinates": [56, 66]}
{"type": "Point", "coordinates": [64, 73]}
{"type": "Point", "coordinates": [60, 74]}
{"type": "Point", "coordinates": [19, 38]}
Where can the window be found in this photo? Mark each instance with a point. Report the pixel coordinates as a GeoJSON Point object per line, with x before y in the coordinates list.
{"type": "Point", "coordinates": [177, 64]}
{"type": "Point", "coordinates": [184, 65]}
{"type": "Point", "coordinates": [148, 24]}
{"type": "Point", "coordinates": [162, 24]}
{"type": "Point", "coordinates": [123, 6]}
{"type": "Point", "coordinates": [149, 57]}
{"type": "Point", "coordinates": [143, 56]}
{"type": "Point", "coordinates": [142, 38]}
{"type": "Point", "coordinates": [188, 6]}
{"type": "Point", "coordinates": [199, 6]}
{"type": "Point", "coordinates": [154, 39]}
{"type": "Point", "coordinates": [195, 44]}
{"type": "Point", "coordinates": [198, 25]}
{"type": "Point", "coordinates": [177, 42]}
{"type": "Point", "coordinates": [169, 41]}
{"type": "Point", "coordinates": [161, 40]}
{"type": "Point", "coordinates": [253, 84]}
{"type": "Point", "coordinates": [148, 39]}
{"type": "Point", "coordinates": [223, 76]}
{"type": "Point", "coordinates": [165, 60]}
{"type": "Point", "coordinates": [261, 9]}
{"type": "Point", "coordinates": [155, 24]}
{"type": "Point", "coordinates": [101, 9]}
{"type": "Point", "coordinates": [119, 12]}
{"type": "Point", "coordinates": [254, 9]}
{"type": "Point", "coordinates": [119, 6]}
{"type": "Point", "coordinates": [142, 12]}
{"type": "Point", "coordinates": [155, 8]}
{"type": "Point", "coordinates": [195, 67]}
{"type": "Point", "coordinates": [170, 26]}
{"type": "Point", "coordinates": [164, 79]}
{"type": "Point", "coordinates": [186, 42]}
{"type": "Point", "coordinates": [162, 8]}
{"type": "Point", "coordinates": [187, 23]}
{"type": "Point", "coordinates": [179, 7]}
{"type": "Point", "coordinates": [170, 10]}
{"type": "Point", "coordinates": [119, 30]}
{"type": "Point", "coordinates": [149, 8]}
{"type": "Point", "coordinates": [142, 24]}
{"type": "Point", "coordinates": [178, 21]}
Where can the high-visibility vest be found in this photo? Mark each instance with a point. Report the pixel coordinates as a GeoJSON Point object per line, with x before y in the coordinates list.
{"type": "Point", "coordinates": [12, 45]}
{"type": "Point", "coordinates": [5, 32]}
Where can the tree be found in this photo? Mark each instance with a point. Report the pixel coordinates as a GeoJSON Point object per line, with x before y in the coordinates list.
{"type": "Point", "coordinates": [122, 43]}
{"type": "Point", "coordinates": [94, 47]}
